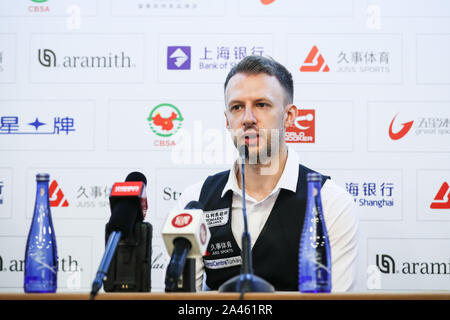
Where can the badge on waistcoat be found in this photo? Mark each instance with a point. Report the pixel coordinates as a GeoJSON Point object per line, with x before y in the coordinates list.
{"type": "Point", "coordinates": [218, 217]}
{"type": "Point", "coordinates": [223, 263]}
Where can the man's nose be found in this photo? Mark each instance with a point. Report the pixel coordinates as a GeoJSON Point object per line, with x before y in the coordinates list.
{"type": "Point", "coordinates": [249, 116]}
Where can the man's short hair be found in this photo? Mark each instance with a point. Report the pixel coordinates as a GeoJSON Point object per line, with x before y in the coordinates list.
{"type": "Point", "coordinates": [259, 64]}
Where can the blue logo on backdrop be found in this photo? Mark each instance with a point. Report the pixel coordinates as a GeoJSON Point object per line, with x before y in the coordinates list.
{"type": "Point", "coordinates": [12, 125]}
{"type": "Point", "coordinates": [178, 58]}
{"type": "Point", "coordinates": [372, 194]}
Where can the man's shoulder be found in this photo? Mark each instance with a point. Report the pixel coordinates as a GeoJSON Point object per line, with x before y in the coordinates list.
{"type": "Point", "coordinates": [193, 191]}
{"type": "Point", "coordinates": [194, 188]}
{"type": "Point", "coordinates": [306, 169]}
{"type": "Point", "coordinates": [219, 176]}
{"type": "Point", "coordinates": [335, 194]}
{"type": "Point", "coordinates": [332, 187]}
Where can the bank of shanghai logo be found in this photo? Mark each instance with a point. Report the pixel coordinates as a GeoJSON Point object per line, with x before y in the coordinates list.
{"type": "Point", "coordinates": [398, 134]}
{"type": "Point", "coordinates": [56, 195]}
{"type": "Point", "coordinates": [165, 120]}
{"type": "Point", "coordinates": [314, 62]}
{"type": "Point", "coordinates": [304, 127]}
{"type": "Point", "coordinates": [442, 198]}
{"type": "Point", "coordinates": [178, 58]}
{"type": "Point", "coordinates": [267, 2]}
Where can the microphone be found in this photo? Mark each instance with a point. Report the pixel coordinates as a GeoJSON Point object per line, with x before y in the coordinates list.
{"type": "Point", "coordinates": [128, 202]}
{"type": "Point", "coordinates": [186, 236]}
{"type": "Point", "coordinates": [246, 281]}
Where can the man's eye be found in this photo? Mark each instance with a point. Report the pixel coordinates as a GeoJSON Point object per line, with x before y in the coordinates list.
{"type": "Point", "coordinates": [236, 107]}
{"type": "Point", "coordinates": [262, 104]}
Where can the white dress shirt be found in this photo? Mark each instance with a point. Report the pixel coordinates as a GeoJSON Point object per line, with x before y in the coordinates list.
{"type": "Point", "coordinates": [338, 207]}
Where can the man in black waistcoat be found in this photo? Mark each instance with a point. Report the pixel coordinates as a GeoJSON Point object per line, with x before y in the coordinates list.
{"type": "Point", "coordinates": [258, 109]}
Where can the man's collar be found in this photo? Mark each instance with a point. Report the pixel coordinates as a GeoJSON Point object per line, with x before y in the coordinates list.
{"type": "Point", "coordinates": [288, 179]}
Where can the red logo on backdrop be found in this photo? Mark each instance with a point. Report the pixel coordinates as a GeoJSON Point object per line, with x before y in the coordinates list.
{"type": "Point", "coordinates": [404, 130]}
{"type": "Point", "coordinates": [442, 198]}
{"type": "Point", "coordinates": [182, 220]}
{"type": "Point", "coordinates": [56, 195]}
{"type": "Point", "coordinates": [314, 62]}
{"type": "Point", "coordinates": [165, 123]}
{"type": "Point", "coordinates": [266, 2]}
{"type": "Point", "coordinates": [303, 129]}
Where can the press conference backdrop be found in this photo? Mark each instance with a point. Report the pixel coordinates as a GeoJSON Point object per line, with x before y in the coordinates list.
{"type": "Point", "coordinates": [94, 89]}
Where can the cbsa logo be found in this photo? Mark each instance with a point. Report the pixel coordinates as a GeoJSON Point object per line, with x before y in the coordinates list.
{"type": "Point", "coordinates": [165, 120]}
{"type": "Point", "coordinates": [38, 7]}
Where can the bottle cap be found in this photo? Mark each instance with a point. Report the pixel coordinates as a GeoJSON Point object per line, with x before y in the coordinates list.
{"type": "Point", "coordinates": [314, 176]}
{"type": "Point", "coordinates": [42, 177]}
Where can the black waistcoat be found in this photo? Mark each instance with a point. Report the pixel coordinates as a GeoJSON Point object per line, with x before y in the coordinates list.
{"type": "Point", "coordinates": [275, 253]}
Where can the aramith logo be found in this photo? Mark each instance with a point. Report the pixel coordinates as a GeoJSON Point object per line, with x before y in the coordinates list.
{"type": "Point", "coordinates": [387, 265]}
{"type": "Point", "coordinates": [48, 58]}
{"type": "Point", "coordinates": [66, 264]}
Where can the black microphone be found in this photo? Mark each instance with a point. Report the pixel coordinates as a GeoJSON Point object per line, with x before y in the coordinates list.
{"type": "Point", "coordinates": [128, 204]}
{"type": "Point", "coordinates": [186, 236]}
{"type": "Point", "coordinates": [246, 281]}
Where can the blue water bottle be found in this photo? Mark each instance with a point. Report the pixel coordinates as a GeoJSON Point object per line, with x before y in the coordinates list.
{"type": "Point", "coordinates": [41, 258]}
{"type": "Point", "coordinates": [315, 254]}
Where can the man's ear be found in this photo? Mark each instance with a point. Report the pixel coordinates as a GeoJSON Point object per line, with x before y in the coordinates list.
{"type": "Point", "coordinates": [290, 115]}
{"type": "Point", "coordinates": [226, 119]}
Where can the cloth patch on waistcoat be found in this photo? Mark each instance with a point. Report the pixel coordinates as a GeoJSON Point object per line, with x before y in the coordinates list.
{"type": "Point", "coordinates": [223, 263]}
{"type": "Point", "coordinates": [218, 217]}
{"type": "Point", "coordinates": [220, 248]}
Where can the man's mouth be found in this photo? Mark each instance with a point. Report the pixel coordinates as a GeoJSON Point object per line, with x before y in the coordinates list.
{"type": "Point", "coordinates": [251, 138]}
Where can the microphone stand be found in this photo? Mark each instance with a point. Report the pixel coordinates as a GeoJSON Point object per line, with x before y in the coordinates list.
{"type": "Point", "coordinates": [110, 249]}
{"type": "Point", "coordinates": [246, 281]}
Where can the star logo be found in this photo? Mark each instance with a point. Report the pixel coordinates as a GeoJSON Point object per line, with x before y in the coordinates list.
{"type": "Point", "coordinates": [36, 124]}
